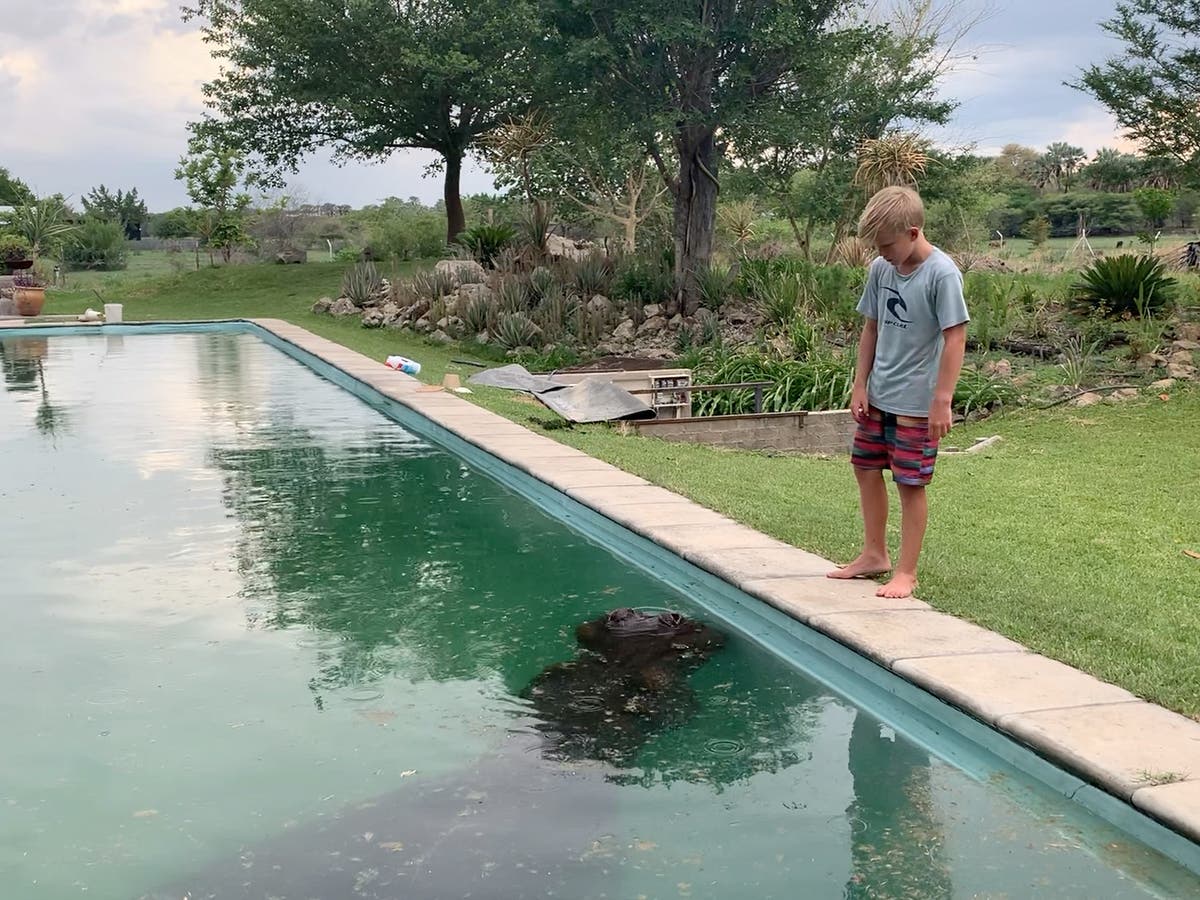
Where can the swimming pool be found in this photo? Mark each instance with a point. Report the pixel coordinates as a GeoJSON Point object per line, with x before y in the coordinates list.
{"type": "Point", "coordinates": [273, 642]}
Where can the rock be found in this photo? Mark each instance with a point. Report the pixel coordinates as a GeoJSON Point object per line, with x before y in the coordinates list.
{"type": "Point", "coordinates": [738, 315]}
{"type": "Point", "coordinates": [441, 337]}
{"type": "Point", "coordinates": [652, 310]}
{"type": "Point", "coordinates": [1163, 384]}
{"type": "Point", "coordinates": [1149, 361]}
{"type": "Point", "coordinates": [342, 306]}
{"type": "Point", "coordinates": [653, 325]}
{"type": "Point", "coordinates": [1121, 395]}
{"type": "Point", "coordinates": [600, 304]}
{"type": "Point", "coordinates": [422, 324]}
{"type": "Point", "coordinates": [1088, 399]}
{"type": "Point", "coordinates": [1181, 358]}
{"type": "Point", "coordinates": [1188, 331]}
{"type": "Point", "coordinates": [676, 321]}
{"type": "Point", "coordinates": [461, 270]}
{"type": "Point", "coordinates": [608, 348]}
{"type": "Point", "coordinates": [443, 323]}
{"type": "Point", "coordinates": [1185, 345]}
{"type": "Point", "coordinates": [559, 247]}
{"type": "Point", "coordinates": [1180, 371]}
{"type": "Point", "coordinates": [373, 318]}
{"type": "Point", "coordinates": [469, 292]}
{"type": "Point", "coordinates": [625, 331]}
{"type": "Point", "coordinates": [291, 256]}
{"type": "Point", "coordinates": [418, 310]}
{"type": "Point", "coordinates": [390, 313]}
{"type": "Point", "coordinates": [1001, 368]}
{"type": "Point", "coordinates": [322, 305]}
{"type": "Point", "coordinates": [1023, 380]}
{"type": "Point", "coordinates": [483, 337]}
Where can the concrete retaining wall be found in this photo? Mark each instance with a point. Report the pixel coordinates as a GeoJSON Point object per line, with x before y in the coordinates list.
{"type": "Point", "coordinates": [798, 432]}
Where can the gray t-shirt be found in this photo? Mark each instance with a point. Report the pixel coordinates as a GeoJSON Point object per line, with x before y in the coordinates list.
{"type": "Point", "coordinates": [912, 311]}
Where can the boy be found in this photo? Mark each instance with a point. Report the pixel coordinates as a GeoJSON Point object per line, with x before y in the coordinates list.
{"type": "Point", "coordinates": [909, 358]}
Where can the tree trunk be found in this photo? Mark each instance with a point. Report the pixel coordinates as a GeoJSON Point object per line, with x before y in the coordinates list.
{"type": "Point", "coordinates": [456, 219]}
{"type": "Point", "coordinates": [695, 211]}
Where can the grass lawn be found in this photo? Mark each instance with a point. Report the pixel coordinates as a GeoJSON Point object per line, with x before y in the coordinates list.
{"type": "Point", "coordinates": [1068, 536]}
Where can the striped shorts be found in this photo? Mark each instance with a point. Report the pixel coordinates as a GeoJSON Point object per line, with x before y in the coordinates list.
{"type": "Point", "coordinates": [883, 443]}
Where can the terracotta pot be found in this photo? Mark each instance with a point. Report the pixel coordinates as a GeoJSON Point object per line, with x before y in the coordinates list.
{"type": "Point", "coordinates": [29, 300]}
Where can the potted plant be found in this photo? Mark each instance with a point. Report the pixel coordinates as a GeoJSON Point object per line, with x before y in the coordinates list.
{"type": "Point", "coordinates": [15, 252]}
{"type": "Point", "coordinates": [29, 293]}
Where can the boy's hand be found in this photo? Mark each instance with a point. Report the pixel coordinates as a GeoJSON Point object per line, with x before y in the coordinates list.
{"type": "Point", "coordinates": [858, 404]}
{"type": "Point", "coordinates": [940, 420]}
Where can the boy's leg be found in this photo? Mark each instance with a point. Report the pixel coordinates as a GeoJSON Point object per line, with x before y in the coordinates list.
{"type": "Point", "coordinates": [911, 457]}
{"type": "Point", "coordinates": [914, 515]}
{"type": "Point", "coordinates": [870, 459]}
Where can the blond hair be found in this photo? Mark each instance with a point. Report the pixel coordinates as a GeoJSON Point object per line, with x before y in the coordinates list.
{"type": "Point", "coordinates": [891, 211]}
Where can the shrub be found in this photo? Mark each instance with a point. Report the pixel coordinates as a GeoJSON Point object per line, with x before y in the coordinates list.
{"type": "Point", "coordinates": [13, 246]}
{"type": "Point", "coordinates": [644, 278]}
{"type": "Point", "coordinates": [780, 298]}
{"type": "Point", "coordinates": [97, 245]}
{"type": "Point", "coordinates": [821, 380]}
{"type": "Point", "coordinates": [1125, 285]}
{"type": "Point", "coordinates": [478, 315]}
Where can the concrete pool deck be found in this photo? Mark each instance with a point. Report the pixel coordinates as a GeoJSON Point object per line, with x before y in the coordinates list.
{"type": "Point", "coordinates": [1139, 752]}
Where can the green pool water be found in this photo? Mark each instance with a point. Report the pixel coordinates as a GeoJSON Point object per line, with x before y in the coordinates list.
{"type": "Point", "coordinates": [259, 640]}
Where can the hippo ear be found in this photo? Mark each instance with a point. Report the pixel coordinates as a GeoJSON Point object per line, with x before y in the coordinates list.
{"type": "Point", "coordinates": [670, 620]}
{"type": "Point", "coordinates": [619, 615]}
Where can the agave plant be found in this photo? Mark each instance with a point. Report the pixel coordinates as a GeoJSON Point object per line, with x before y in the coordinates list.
{"type": "Point", "coordinates": [361, 283]}
{"type": "Point", "coordinates": [486, 241]}
{"type": "Point", "coordinates": [739, 219]}
{"type": "Point", "coordinates": [555, 314]}
{"type": "Point", "coordinates": [511, 296]}
{"type": "Point", "coordinates": [541, 283]}
{"type": "Point", "coordinates": [516, 329]}
{"type": "Point", "coordinates": [1126, 285]}
{"type": "Point", "coordinates": [592, 274]}
{"type": "Point", "coordinates": [781, 297]}
{"type": "Point", "coordinates": [715, 283]}
{"type": "Point", "coordinates": [433, 285]}
{"type": "Point", "coordinates": [479, 314]}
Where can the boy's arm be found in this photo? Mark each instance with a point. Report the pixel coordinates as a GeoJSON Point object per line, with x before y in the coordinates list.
{"type": "Point", "coordinates": [943, 392]}
{"type": "Point", "coordinates": [866, 361]}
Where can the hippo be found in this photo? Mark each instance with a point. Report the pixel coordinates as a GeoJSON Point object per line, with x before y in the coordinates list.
{"type": "Point", "coordinates": [629, 684]}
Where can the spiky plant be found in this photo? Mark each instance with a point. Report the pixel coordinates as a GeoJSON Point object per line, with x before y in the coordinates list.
{"type": "Point", "coordinates": [511, 296]}
{"type": "Point", "coordinates": [592, 274]}
{"type": "Point", "coordinates": [894, 159]}
{"type": "Point", "coordinates": [739, 219]}
{"type": "Point", "coordinates": [361, 283]}
{"type": "Point", "coordinates": [715, 283]}
{"type": "Point", "coordinates": [1126, 286]}
{"type": "Point", "coordinates": [517, 329]}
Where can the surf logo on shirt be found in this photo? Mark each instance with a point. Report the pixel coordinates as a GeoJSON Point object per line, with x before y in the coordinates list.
{"type": "Point", "coordinates": [897, 309]}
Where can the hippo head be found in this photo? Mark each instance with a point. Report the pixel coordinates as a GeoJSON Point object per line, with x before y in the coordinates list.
{"type": "Point", "coordinates": [666, 633]}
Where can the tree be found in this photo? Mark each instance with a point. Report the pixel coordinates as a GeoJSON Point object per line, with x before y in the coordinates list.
{"type": "Point", "coordinates": [1037, 230]}
{"type": "Point", "coordinates": [1059, 164]}
{"type": "Point", "coordinates": [179, 222]}
{"type": "Point", "coordinates": [1150, 87]}
{"type": "Point", "coordinates": [46, 224]}
{"type": "Point", "coordinates": [1111, 170]}
{"type": "Point", "coordinates": [1155, 204]}
{"type": "Point", "coordinates": [126, 209]}
{"type": "Point", "coordinates": [213, 174]}
{"type": "Point", "coordinates": [596, 172]}
{"type": "Point", "coordinates": [13, 191]}
{"type": "Point", "coordinates": [868, 81]}
{"type": "Point", "coordinates": [365, 79]}
{"type": "Point", "coordinates": [692, 78]}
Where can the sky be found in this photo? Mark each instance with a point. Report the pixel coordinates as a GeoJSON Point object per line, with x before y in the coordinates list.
{"type": "Point", "coordinates": [100, 92]}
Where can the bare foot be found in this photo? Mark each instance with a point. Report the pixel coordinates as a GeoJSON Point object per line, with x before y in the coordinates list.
{"type": "Point", "coordinates": [901, 585]}
{"type": "Point", "coordinates": [863, 567]}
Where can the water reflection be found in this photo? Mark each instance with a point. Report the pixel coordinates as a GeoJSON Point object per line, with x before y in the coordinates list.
{"type": "Point", "coordinates": [24, 362]}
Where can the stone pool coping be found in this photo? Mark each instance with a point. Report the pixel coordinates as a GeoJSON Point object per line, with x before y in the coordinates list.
{"type": "Point", "coordinates": [1137, 751]}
